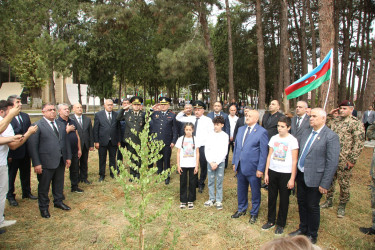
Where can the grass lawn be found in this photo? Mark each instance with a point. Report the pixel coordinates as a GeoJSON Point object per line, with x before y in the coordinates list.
{"type": "Point", "coordinates": [96, 220]}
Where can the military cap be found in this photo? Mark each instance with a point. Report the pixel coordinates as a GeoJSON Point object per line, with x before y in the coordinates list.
{"type": "Point", "coordinates": [199, 104]}
{"type": "Point", "coordinates": [165, 100]}
{"type": "Point", "coordinates": [136, 100]}
{"type": "Point", "coordinates": [346, 103]}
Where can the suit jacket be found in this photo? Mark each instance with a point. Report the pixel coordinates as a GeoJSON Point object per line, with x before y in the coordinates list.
{"type": "Point", "coordinates": [226, 127]}
{"type": "Point", "coordinates": [46, 149]}
{"type": "Point", "coordinates": [132, 121]}
{"type": "Point", "coordinates": [103, 130]}
{"type": "Point", "coordinates": [165, 127]}
{"type": "Point", "coordinates": [366, 116]}
{"type": "Point", "coordinates": [322, 159]}
{"type": "Point", "coordinates": [304, 125]}
{"type": "Point", "coordinates": [20, 152]}
{"type": "Point", "coordinates": [269, 122]}
{"type": "Point", "coordinates": [85, 132]}
{"type": "Point", "coordinates": [253, 154]}
{"type": "Point", "coordinates": [240, 122]}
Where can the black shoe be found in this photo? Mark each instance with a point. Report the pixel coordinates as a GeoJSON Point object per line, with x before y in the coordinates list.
{"type": "Point", "coordinates": [279, 230]}
{"type": "Point", "coordinates": [62, 206]}
{"type": "Point", "coordinates": [86, 182]}
{"type": "Point", "coordinates": [77, 190]}
{"type": "Point", "coordinates": [200, 190]}
{"type": "Point", "coordinates": [312, 239]}
{"type": "Point", "coordinates": [264, 185]}
{"type": "Point", "coordinates": [268, 225]}
{"type": "Point", "coordinates": [2, 230]}
{"type": "Point", "coordinates": [167, 181]}
{"type": "Point", "coordinates": [367, 230]}
{"type": "Point", "coordinates": [297, 232]}
{"type": "Point", "coordinates": [112, 175]}
{"type": "Point", "coordinates": [13, 202]}
{"type": "Point", "coordinates": [253, 219]}
{"type": "Point", "coordinates": [101, 178]}
{"type": "Point", "coordinates": [29, 196]}
{"type": "Point", "coordinates": [237, 214]}
{"type": "Point", "coordinates": [45, 213]}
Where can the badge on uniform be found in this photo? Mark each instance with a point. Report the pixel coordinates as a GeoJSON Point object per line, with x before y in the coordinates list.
{"type": "Point", "coordinates": [318, 138]}
{"type": "Point", "coordinates": [255, 129]}
{"type": "Point", "coordinates": [157, 116]}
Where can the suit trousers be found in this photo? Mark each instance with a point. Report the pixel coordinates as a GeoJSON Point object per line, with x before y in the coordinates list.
{"type": "Point", "coordinates": [3, 189]}
{"type": "Point", "coordinates": [187, 187]}
{"type": "Point", "coordinates": [366, 126]}
{"type": "Point", "coordinates": [74, 171]}
{"type": "Point", "coordinates": [56, 176]}
{"type": "Point", "coordinates": [119, 155]}
{"type": "Point", "coordinates": [308, 199]}
{"type": "Point", "coordinates": [83, 167]}
{"type": "Point", "coordinates": [138, 163]}
{"type": "Point", "coordinates": [203, 167]}
{"type": "Point", "coordinates": [24, 166]}
{"type": "Point", "coordinates": [164, 163]}
{"type": "Point", "coordinates": [243, 190]}
{"type": "Point", "coordinates": [103, 158]}
{"type": "Point", "coordinates": [278, 185]}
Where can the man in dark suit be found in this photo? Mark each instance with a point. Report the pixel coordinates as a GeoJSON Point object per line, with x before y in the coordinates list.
{"type": "Point", "coordinates": [106, 137]}
{"type": "Point", "coordinates": [19, 158]}
{"type": "Point", "coordinates": [368, 117]}
{"type": "Point", "coordinates": [164, 125]}
{"type": "Point", "coordinates": [50, 152]}
{"type": "Point", "coordinates": [134, 119]}
{"type": "Point", "coordinates": [240, 122]}
{"type": "Point", "coordinates": [301, 121]}
{"type": "Point", "coordinates": [271, 118]}
{"type": "Point", "coordinates": [86, 136]}
{"type": "Point", "coordinates": [125, 105]}
{"type": "Point", "coordinates": [249, 161]}
{"type": "Point", "coordinates": [317, 164]}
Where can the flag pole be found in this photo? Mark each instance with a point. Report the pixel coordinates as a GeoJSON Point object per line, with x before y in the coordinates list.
{"type": "Point", "coordinates": [330, 79]}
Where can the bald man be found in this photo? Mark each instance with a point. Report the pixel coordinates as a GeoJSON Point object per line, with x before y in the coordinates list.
{"type": "Point", "coordinates": [271, 118]}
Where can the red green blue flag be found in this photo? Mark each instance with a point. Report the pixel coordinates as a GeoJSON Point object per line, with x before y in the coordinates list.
{"type": "Point", "coordinates": [311, 80]}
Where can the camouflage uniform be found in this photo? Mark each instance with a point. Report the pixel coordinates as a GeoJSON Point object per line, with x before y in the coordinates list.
{"type": "Point", "coordinates": [371, 132]}
{"type": "Point", "coordinates": [352, 135]}
{"type": "Point", "coordinates": [372, 174]}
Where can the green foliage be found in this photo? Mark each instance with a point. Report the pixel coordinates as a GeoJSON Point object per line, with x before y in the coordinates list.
{"type": "Point", "coordinates": [144, 187]}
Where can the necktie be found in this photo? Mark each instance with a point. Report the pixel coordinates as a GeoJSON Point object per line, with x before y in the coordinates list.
{"type": "Point", "coordinates": [109, 117]}
{"type": "Point", "coordinates": [298, 121]}
{"type": "Point", "coordinates": [195, 127]}
{"type": "Point", "coordinates": [20, 121]}
{"type": "Point", "coordinates": [80, 121]}
{"type": "Point", "coordinates": [307, 148]}
{"type": "Point", "coordinates": [55, 130]}
{"type": "Point", "coordinates": [246, 134]}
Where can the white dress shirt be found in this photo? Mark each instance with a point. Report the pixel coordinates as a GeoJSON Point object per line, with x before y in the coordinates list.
{"type": "Point", "coordinates": [205, 126]}
{"type": "Point", "coordinates": [232, 123]}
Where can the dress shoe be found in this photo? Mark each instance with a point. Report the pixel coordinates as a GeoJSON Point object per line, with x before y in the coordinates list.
{"type": "Point", "coordinates": [297, 232]}
{"type": "Point", "coordinates": [253, 219]}
{"type": "Point", "coordinates": [29, 196]}
{"type": "Point", "coordinates": [7, 223]}
{"type": "Point", "coordinates": [312, 239]}
{"type": "Point", "coordinates": [3, 230]}
{"type": "Point", "coordinates": [77, 190]}
{"type": "Point", "coordinates": [167, 181]}
{"type": "Point", "coordinates": [45, 214]}
{"type": "Point", "coordinates": [13, 202]}
{"type": "Point", "coordinates": [367, 230]}
{"type": "Point", "coordinates": [62, 206]}
{"type": "Point", "coordinates": [237, 214]}
{"type": "Point", "coordinates": [200, 190]}
{"type": "Point", "coordinates": [101, 178]}
{"type": "Point", "coordinates": [86, 182]}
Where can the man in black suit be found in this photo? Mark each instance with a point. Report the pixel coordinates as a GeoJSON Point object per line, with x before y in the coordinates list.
{"type": "Point", "coordinates": [50, 152]}
{"type": "Point", "coordinates": [106, 137]}
{"type": "Point", "coordinates": [125, 106]}
{"type": "Point", "coordinates": [86, 136]}
{"type": "Point", "coordinates": [301, 121]}
{"type": "Point", "coordinates": [19, 158]}
{"type": "Point", "coordinates": [271, 118]}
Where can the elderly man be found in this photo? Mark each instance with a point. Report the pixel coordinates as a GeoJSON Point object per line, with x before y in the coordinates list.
{"type": "Point", "coordinates": [86, 137]}
{"type": "Point", "coordinates": [301, 121]}
{"type": "Point", "coordinates": [351, 133]}
{"type": "Point", "coordinates": [19, 158]}
{"type": "Point", "coordinates": [75, 145]}
{"type": "Point", "coordinates": [240, 122]}
{"type": "Point", "coordinates": [203, 126]}
{"type": "Point", "coordinates": [317, 163]}
{"type": "Point", "coordinates": [188, 111]}
{"type": "Point", "coordinates": [106, 137]}
{"type": "Point", "coordinates": [50, 153]}
{"type": "Point", "coordinates": [249, 161]}
{"type": "Point", "coordinates": [271, 118]}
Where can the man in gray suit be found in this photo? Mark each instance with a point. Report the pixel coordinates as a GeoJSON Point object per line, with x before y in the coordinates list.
{"type": "Point", "coordinates": [301, 121]}
{"type": "Point", "coordinates": [368, 117]}
{"type": "Point", "coordinates": [50, 153]}
{"type": "Point", "coordinates": [86, 135]}
{"type": "Point", "coordinates": [317, 164]}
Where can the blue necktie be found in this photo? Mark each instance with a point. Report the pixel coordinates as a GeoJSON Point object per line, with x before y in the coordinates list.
{"type": "Point", "coordinates": [307, 148]}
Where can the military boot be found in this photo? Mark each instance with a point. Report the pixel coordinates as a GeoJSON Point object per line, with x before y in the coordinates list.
{"type": "Point", "coordinates": [341, 210]}
{"type": "Point", "coordinates": [327, 204]}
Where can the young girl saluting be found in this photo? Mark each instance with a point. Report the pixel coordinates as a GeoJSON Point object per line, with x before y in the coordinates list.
{"type": "Point", "coordinates": [187, 166]}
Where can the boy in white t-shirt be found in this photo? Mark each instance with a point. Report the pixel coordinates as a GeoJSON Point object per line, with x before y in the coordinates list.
{"type": "Point", "coordinates": [280, 173]}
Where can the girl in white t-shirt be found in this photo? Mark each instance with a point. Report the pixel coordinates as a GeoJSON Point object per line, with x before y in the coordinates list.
{"type": "Point", "coordinates": [187, 166]}
{"type": "Point", "coordinates": [280, 173]}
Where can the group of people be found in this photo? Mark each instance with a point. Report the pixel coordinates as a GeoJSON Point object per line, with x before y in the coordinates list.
{"type": "Point", "coordinates": [311, 149]}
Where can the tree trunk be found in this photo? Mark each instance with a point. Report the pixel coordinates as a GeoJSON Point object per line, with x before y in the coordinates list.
{"type": "Point", "coordinates": [230, 52]}
{"type": "Point", "coordinates": [335, 70]}
{"type": "Point", "coordinates": [349, 82]}
{"type": "Point", "coordinates": [52, 89]}
{"type": "Point", "coordinates": [284, 46]}
{"type": "Point", "coordinates": [356, 57]}
{"type": "Point", "coordinates": [260, 47]}
{"type": "Point", "coordinates": [327, 37]}
{"type": "Point", "coordinates": [36, 97]}
{"type": "Point", "coordinates": [370, 86]}
{"type": "Point", "coordinates": [313, 45]}
{"type": "Point", "coordinates": [362, 56]}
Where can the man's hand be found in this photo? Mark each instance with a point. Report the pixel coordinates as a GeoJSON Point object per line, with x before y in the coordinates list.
{"type": "Point", "coordinates": [213, 165]}
{"type": "Point", "coordinates": [156, 107]}
{"type": "Point", "coordinates": [79, 154]}
{"type": "Point", "coordinates": [234, 167]}
{"type": "Point", "coordinates": [179, 170]}
{"type": "Point", "coordinates": [91, 148]}
{"type": "Point", "coordinates": [70, 128]}
{"type": "Point", "coordinates": [17, 138]}
{"type": "Point", "coordinates": [15, 110]}
{"type": "Point", "coordinates": [67, 164]}
{"type": "Point", "coordinates": [32, 129]}
{"type": "Point", "coordinates": [266, 179]}
{"type": "Point", "coordinates": [349, 165]}
{"type": "Point", "coordinates": [172, 145]}
{"type": "Point", "coordinates": [322, 190]}
{"type": "Point", "coordinates": [259, 174]}
{"type": "Point", "coordinates": [290, 184]}
{"type": "Point", "coordinates": [333, 111]}
{"type": "Point", "coordinates": [38, 169]}
{"type": "Point", "coordinates": [126, 107]}
{"type": "Point", "coordinates": [96, 144]}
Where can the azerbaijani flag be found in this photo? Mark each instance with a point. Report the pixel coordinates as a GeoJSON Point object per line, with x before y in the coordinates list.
{"type": "Point", "coordinates": [311, 80]}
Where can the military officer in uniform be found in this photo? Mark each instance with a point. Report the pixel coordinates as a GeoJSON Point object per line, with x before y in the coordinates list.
{"type": "Point", "coordinates": [134, 119]}
{"type": "Point", "coordinates": [352, 135]}
{"type": "Point", "coordinates": [164, 124]}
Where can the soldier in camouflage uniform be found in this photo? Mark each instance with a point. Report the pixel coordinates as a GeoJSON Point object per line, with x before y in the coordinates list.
{"type": "Point", "coordinates": [352, 135]}
{"type": "Point", "coordinates": [371, 132]}
{"type": "Point", "coordinates": [371, 230]}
